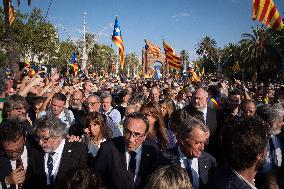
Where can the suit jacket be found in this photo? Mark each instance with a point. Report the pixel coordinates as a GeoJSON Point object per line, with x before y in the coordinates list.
{"type": "Point", "coordinates": [110, 164]}
{"type": "Point", "coordinates": [225, 178]}
{"type": "Point", "coordinates": [74, 156]}
{"type": "Point", "coordinates": [206, 166]}
{"type": "Point", "coordinates": [6, 167]}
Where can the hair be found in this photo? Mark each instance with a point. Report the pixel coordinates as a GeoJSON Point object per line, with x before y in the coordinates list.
{"type": "Point", "coordinates": [188, 124]}
{"type": "Point", "coordinates": [137, 115]}
{"type": "Point", "coordinates": [95, 96]}
{"type": "Point", "coordinates": [11, 130]}
{"type": "Point", "coordinates": [202, 89]}
{"type": "Point", "coordinates": [52, 123]}
{"type": "Point", "coordinates": [101, 120]}
{"type": "Point", "coordinates": [106, 95]}
{"type": "Point", "coordinates": [83, 179]}
{"type": "Point", "coordinates": [235, 92]}
{"type": "Point", "coordinates": [170, 105]}
{"type": "Point", "coordinates": [248, 140]}
{"type": "Point", "coordinates": [269, 113]}
{"type": "Point", "coordinates": [60, 97]}
{"type": "Point", "coordinates": [170, 175]}
{"type": "Point", "coordinates": [13, 102]}
{"type": "Point", "coordinates": [246, 102]}
{"type": "Point", "coordinates": [159, 126]}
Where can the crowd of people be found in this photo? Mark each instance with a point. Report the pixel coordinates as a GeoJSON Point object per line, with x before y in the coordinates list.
{"type": "Point", "coordinates": [107, 132]}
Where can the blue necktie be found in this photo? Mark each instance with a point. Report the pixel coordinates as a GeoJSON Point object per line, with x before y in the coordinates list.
{"type": "Point", "coordinates": [50, 167]}
{"type": "Point", "coordinates": [272, 152]}
{"type": "Point", "coordinates": [132, 164]}
{"type": "Point", "coordinates": [189, 170]}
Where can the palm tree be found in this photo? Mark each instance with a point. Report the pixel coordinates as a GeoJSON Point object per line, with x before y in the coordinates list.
{"type": "Point", "coordinates": [260, 51]}
{"type": "Point", "coordinates": [208, 49]}
{"type": "Point", "coordinates": [230, 57]}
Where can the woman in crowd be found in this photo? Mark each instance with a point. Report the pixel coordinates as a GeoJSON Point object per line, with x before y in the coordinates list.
{"type": "Point", "coordinates": [96, 132]}
{"type": "Point", "coordinates": [167, 107]}
{"type": "Point", "coordinates": [157, 131]}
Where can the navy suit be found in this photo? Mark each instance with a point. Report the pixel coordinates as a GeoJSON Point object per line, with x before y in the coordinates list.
{"type": "Point", "coordinates": [206, 166]}
{"type": "Point", "coordinates": [225, 178]}
{"type": "Point", "coordinates": [110, 164]}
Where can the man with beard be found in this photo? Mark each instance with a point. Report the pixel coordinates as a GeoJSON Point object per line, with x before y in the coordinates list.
{"type": "Point", "coordinates": [245, 153]}
{"type": "Point", "coordinates": [273, 116]}
{"type": "Point", "coordinates": [48, 168]}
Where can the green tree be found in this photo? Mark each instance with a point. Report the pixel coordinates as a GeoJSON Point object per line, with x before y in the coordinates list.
{"type": "Point", "coordinates": [260, 52]}
{"type": "Point", "coordinates": [132, 63]}
{"type": "Point", "coordinates": [101, 57]}
{"type": "Point", "coordinates": [207, 48]}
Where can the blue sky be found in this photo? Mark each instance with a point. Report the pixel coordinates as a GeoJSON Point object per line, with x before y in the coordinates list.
{"type": "Point", "coordinates": [182, 23]}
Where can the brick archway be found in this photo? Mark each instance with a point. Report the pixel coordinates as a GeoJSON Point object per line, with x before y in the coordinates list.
{"type": "Point", "coordinates": [148, 59]}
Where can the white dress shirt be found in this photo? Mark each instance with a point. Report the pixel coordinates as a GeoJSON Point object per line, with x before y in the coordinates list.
{"type": "Point", "coordinates": [138, 159]}
{"type": "Point", "coordinates": [24, 158]}
{"type": "Point", "coordinates": [184, 161]}
{"type": "Point", "coordinates": [56, 161]}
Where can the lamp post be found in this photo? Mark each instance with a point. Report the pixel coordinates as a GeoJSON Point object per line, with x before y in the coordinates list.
{"type": "Point", "coordinates": [84, 58]}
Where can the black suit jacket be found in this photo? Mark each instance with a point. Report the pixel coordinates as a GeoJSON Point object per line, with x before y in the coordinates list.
{"type": "Point", "coordinates": [206, 166]}
{"type": "Point", "coordinates": [74, 156]}
{"type": "Point", "coordinates": [225, 178]}
{"type": "Point", "coordinates": [110, 164]}
{"type": "Point", "coordinates": [6, 167]}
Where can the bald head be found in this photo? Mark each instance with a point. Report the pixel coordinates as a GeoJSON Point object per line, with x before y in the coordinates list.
{"type": "Point", "coordinates": [155, 94]}
{"type": "Point", "coordinates": [77, 100]}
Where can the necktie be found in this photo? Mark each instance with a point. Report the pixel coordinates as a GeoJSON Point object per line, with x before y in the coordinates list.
{"type": "Point", "coordinates": [50, 167]}
{"type": "Point", "coordinates": [189, 170]}
{"type": "Point", "coordinates": [19, 163]}
{"type": "Point", "coordinates": [132, 164]}
{"type": "Point", "coordinates": [272, 152]}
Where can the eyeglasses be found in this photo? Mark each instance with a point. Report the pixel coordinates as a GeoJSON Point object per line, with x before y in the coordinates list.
{"type": "Point", "coordinates": [92, 103]}
{"type": "Point", "coordinates": [19, 108]}
{"type": "Point", "coordinates": [43, 139]}
{"type": "Point", "coordinates": [128, 134]}
{"type": "Point", "coordinates": [18, 150]}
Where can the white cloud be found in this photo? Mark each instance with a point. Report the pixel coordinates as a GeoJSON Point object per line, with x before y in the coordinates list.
{"type": "Point", "coordinates": [180, 15]}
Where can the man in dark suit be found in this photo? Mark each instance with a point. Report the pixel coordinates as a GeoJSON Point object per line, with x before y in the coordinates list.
{"type": "Point", "coordinates": [245, 153]}
{"type": "Point", "coordinates": [48, 168]}
{"type": "Point", "coordinates": [192, 135]}
{"type": "Point", "coordinates": [125, 162]}
{"type": "Point", "coordinates": [13, 155]}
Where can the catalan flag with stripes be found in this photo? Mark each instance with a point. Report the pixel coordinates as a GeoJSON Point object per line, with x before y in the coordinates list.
{"type": "Point", "coordinates": [172, 59]}
{"type": "Point", "coordinates": [152, 48]}
{"type": "Point", "coordinates": [266, 12]}
{"type": "Point", "coordinates": [11, 13]}
{"type": "Point", "coordinates": [117, 39]}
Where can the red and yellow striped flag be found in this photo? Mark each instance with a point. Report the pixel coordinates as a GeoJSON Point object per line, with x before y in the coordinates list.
{"type": "Point", "coordinates": [172, 58]}
{"type": "Point", "coordinates": [152, 48]}
{"type": "Point", "coordinates": [11, 13]}
{"type": "Point", "coordinates": [266, 12]}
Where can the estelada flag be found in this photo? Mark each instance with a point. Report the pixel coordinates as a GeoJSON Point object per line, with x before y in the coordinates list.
{"type": "Point", "coordinates": [117, 39]}
{"type": "Point", "coordinates": [266, 12]}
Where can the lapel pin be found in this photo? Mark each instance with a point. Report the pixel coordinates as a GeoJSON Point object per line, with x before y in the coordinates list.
{"type": "Point", "coordinates": [205, 166]}
{"type": "Point", "coordinates": [69, 150]}
{"type": "Point", "coordinates": [147, 155]}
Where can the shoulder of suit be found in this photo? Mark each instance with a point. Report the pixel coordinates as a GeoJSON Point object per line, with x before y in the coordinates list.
{"type": "Point", "coordinates": [206, 155]}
